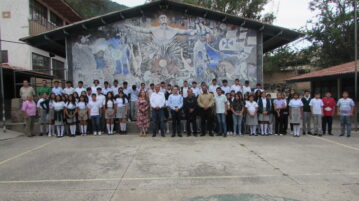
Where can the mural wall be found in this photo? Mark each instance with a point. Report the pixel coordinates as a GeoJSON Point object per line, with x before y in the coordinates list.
{"type": "Point", "coordinates": [165, 47]}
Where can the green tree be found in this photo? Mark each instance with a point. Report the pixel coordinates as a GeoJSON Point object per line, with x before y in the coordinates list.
{"type": "Point", "coordinates": [91, 8]}
{"type": "Point", "coordinates": [332, 31]}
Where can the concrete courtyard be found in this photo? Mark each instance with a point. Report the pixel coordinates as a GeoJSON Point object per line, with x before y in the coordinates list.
{"type": "Point", "coordinates": [121, 168]}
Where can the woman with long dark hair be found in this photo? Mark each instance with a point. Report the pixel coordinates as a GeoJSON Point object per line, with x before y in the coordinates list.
{"type": "Point", "coordinates": [82, 112]}
{"type": "Point", "coordinates": [122, 110]}
{"type": "Point", "coordinates": [143, 121]}
{"type": "Point", "coordinates": [70, 113]}
{"type": "Point", "coordinates": [110, 112]}
{"type": "Point", "coordinates": [59, 106]}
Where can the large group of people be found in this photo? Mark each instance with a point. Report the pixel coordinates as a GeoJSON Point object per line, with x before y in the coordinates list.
{"type": "Point", "coordinates": [220, 110]}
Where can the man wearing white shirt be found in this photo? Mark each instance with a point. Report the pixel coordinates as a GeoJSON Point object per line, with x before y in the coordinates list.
{"type": "Point", "coordinates": [143, 87]}
{"type": "Point", "coordinates": [163, 87]}
{"type": "Point", "coordinates": [115, 88]}
{"type": "Point", "coordinates": [184, 89]}
{"type": "Point", "coordinates": [258, 88]}
{"type": "Point", "coordinates": [133, 99]}
{"type": "Point", "coordinates": [246, 88]}
{"type": "Point", "coordinates": [96, 84]}
{"type": "Point", "coordinates": [151, 90]}
{"type": "Point", "coordinates": [225, 87]}
{"type": "Point", "coordinates": [80, 88]}
{"type": "Point", "coordinates": [57, 90]}
{"type": "Point", "coordinates": [89, 94]}
{"type": "Point", "coordinates": [157, 102]}
{"type": "Point", "coordinates": [316, 105]}
{"type": "Point", "coordinates": [195, 89]}
{"type": "Point", "coordinates": [237, 87]}
{"type": "Point", "coordinates": [69, 90]}
{"type": "Point", "coordinates": [175, 104]}
{"type": "Point", "coordinates": [106, 88]}
{"type": "Point", "coordinates": [126, 90]}
{"type": "Point", "coordinates": [213, 87]}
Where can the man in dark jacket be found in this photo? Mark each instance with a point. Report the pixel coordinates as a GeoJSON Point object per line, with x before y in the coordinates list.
{"type": "Point", "coordinates": [307, 114]}
{"type": "Point", "coordinates": [189, 107]}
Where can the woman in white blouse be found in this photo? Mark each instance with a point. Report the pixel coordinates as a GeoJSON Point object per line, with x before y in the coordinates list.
{"type": "Point", "coordinates": [296, 114]}
{"type": "Point", "coordinates": [59, 106]}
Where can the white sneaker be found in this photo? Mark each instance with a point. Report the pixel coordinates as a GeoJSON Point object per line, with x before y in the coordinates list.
{"type": "Point", "coordinates": [95, 133]}
{"type": "Point", "coordinates": [99, 133]}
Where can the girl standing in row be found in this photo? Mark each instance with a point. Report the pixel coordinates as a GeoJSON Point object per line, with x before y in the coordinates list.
{"type": "Point", "coordinates": [59, 106]}
{"type": "Point", "coordinates": [295, 114]}
{"type": "Point", "coordinates": [70, 113]}
{"type": "Point", "coordinates": [110, 112]}
{"type": "Point", "coordinates": [122, 111]}
{"type": "Point", "coordinates": [82, 111]}
{"type": "Point", "coordinates": [252, 120]}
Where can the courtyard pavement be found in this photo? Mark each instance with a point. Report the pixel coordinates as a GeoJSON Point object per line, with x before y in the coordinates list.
{"type": "Point", "coordinates": [126, 168]}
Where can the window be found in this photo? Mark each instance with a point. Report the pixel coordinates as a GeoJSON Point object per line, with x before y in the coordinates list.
{"type": "Point", "coordinates": [40, 63]}
{"type": "Point", "coordinates": [38, 12]}
{"type": "Point", "coordinates": [4, 56]}
{"type": "Point", "coordinates": [56, 20]}
{"type": "Point", "coordinates": [58, 68]}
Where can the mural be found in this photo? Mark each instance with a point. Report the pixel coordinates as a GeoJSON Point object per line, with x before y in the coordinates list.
{"type": "Point", "coordinates": [165, 47]}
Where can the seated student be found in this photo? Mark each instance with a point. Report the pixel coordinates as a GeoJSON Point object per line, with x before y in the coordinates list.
{"type": "Point", "coordinates": [175, 104]}
{"type": "Point", "coordinates": [346, 108]}
{"type": "Point", "coordinates": [316, 105]}
{"type": "Point", "coordinates": [94, 113]}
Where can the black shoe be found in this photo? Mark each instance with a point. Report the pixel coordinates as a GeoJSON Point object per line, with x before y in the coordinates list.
{"type": "Point", "coordinates": [188, 135]}
{"type": "Point", "coordinates": [163, 135]}
{"type": "Point", "coordinates": [341, 135]}
{"type": "Point", "coordinates": [195, 135]}
{"type": "Point", "coordinates": [154, 135]}
{"type": "Point", "coordinates": [203, 134]}
{"type": "Point", "coordinates": [211, 134]}
{"type": "Point", "coordinates": [320, 135]}
{"type": "Point", "coordinates": [315, 134]}
{"type": "Point", "coordinates": [309, 133]}
{"type": "Point", "coordinates": [219, 134]}
{"type": "Point", "coordinates": [330, 133]}
{"type": "Point", "coordinates": [224, 135]}
{"type": "Point", "coordinates": [348, 135]}
{"type": "Point", "coordinates": [304, 133]}
{"type": "Point", "coordinates": [179, 135]}
{"type": "Point", "coordinates": [173, 135]}
{"type": "Point", "coordinates": [40, 134]}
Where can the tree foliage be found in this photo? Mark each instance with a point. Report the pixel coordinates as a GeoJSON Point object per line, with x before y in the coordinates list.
{"type": "Point", "coordinates": [332, 31]}
{"type": "Point", "coordinates": [91, 8]}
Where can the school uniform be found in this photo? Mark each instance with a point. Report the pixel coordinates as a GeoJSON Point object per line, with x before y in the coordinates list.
{"type": "Point", "coordinates": [279, 116]}
{"type": "Point", "coordinates": [95, 108]}
{"type": "Point", "coordinates": [121, 112]}
{"type": "Point", "coordinates": [317, 104]}
{"type": "Point", "coordinates": [345, 109]}
{"type": "Point", "coordinates": [220, 103]}
{"type": "Point", "coordinates": [296, 115]}
{"type": "Point", "coordinates": [82, 116]}
{"type": "Point", "coordinates": [264, 106]}
{"type": "Point", "coordinates": [43, 106]}
{"type": "Point", "coordinates": [237, 106]}
{"type": "Point", "coordinates": [109, 106]}
{"type": "Point", "coordinates": [251, 121]}
{"type": "Point", "coordinates": [59, 117]}
{"type": "Point", "coordinates": [307, 115]}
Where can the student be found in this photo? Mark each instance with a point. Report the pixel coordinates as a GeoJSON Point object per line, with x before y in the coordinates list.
{"type": "Point", "coordinates": [258, 88]}
{"type": "Point", "coordinates": [109, 107]}
{"type": "Point", "coordinates": [316, 105]}
{"type": "Point", "coordinates": [29, 111]}
{"type": "Point", "coordinates": [237, 108]}
{"type": "Point", "coordinates": [328, 109]}
{"type": "Point", "coordinates": [157, 101]}
{"type": "Point", "coordinates": [106, 88]}
{"type": "Point", "coordinates": [82, 112]}
{"type": "Point", "coordinates": [213, 87]}
{"type": "Point", "coordinates": [195, 89]}
{"type": "Point", "coordinates": [43, 110]}
{"type": "Point", "coordinates": [221, 112]}
{"type": "Point", "coordinates": [175, 104]}
{"type": "Point", "coordinates": [95, 86]}
{"type": "Point", "coordinates": [229, 115]}
{"type": "Point", "coordinates": [133, 100]}
{"type": "Point", "coordinates": [252, 110]}
{"type": "Point", "coordinates": [115, 88]}
{"type": "Point", "coordinates": [246, 89]}
{"type": "Point", "coordinates": [121, 111]}
{"type": "Point", "coordinates": [94, 113]}
{"type": "Point", "coordinates": [184, 89]}
{"type": "Point", "coordinates": [279, 106]}
{"type": "Point", "coordinates": [205, 104]}
{"type": "Point", "coordinates": [295, 114]}
{"type": "Point", "coordinates": [271, 115]}
{"type": "Point", "coordinates": [70, 113]}
{"type": "Point", "coordinates": [190, 110]}
{"type": "Point", "coordinates": [50, 115]}
{"type": "Point", "coordinates": [80, 88]}
{"type": "Point", "coordinates": [59, 106]}
{"type": "Point", "coordinates": [264, 110]}
{"type": "Point", "coordinates": [57, 90]}
{"type": "Point", "coordinates": [237, 87]}
{"type": "Point", "coordinates": [225, 88]}
{"type": "Point", "coordinates": [69, 90]}
{"type": "Point", "coordinates": [143, 121]}
{"type": "Point", "coordinates": [346, 108]}
{"type": "Point", "coordinates": [307, 113]}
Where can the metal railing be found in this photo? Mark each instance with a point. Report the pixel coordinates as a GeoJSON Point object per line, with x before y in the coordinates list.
{"type": "Point", "coordinates": [39, 26]}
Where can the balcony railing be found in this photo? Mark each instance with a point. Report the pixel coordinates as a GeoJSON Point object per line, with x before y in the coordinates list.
{"type": "Point", "coordinates": [38, 26]}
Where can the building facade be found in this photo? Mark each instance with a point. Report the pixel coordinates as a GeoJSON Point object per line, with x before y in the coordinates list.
{"type": "Point", "coordinates": [22, 18]}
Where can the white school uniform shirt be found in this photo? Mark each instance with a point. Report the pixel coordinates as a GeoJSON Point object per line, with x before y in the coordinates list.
{"type": "Point", "coordinates": [109, 103]}
{"type": "Point", "coordinates": [70, 106]}
{"type": "Point", "coordinates": [59, 105]}
{"type": "Point", "coordinates": [196, 91]}
{"type": "Point", "coordinates": [236, 88]}
{"type": "Point", "coordinates": [226, 89]}
{"type": "Point", "coordinates": [296, 103]}
{"type": "Point", "coordinates": [39, 102]}
{"type": "Point", "coordinates": [94, 88]}
{"type": "Point", "coordinates": [126, 91]}
{"type": "Point", "coordinates": [79, 90]}
{"type": "Point", "coordinates": [81, 105]}
{"type": "Point", "coordinates": [115, 90]}
{"type": "Point", "coordinates": [134, 95]}
{"type": "Point", "coordinates": [57, 91]}
{"type": "Point", "coordinates": [184, 91]}
{"type": "Point", "coordinates": [264, 101]}
{"type": "Point", "coordinates": [157, 100]}
{"type": "Point", "coordinates": [100, 98]}
{"type": "Point", "coordinates": [316, 104]}
{"type": "Point", "coordinates": [68, 91]}
{"type": "Point", "coordinates": [251, 107]}
{"type": "Point", "coordinates": [94, 108]}
{"type": "Point", "coordinates": [246, 89]}
{"type": "Point", "coordinates": [119, 102]}
{"type": "Point", "coordinates": [220, 102]}
{"type": "Point", "coordinates": [213, 88]}
{"type": "Point", "coordinates": [255, 90]}
{"type": "Point", "coordinates": [106, 90]}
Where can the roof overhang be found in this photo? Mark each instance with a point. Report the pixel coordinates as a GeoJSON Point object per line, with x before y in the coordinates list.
{"type": "Point", "coordinates": [54, 40]}
{"type": "Point", "coordinates": [63, 8]}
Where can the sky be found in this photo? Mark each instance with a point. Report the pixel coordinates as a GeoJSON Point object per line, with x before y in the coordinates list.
{"type": "Point", "coordinates": [291, 14]}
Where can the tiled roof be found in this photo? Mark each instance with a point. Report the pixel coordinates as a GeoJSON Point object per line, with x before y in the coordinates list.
{"type": "Point", "coordinates": [330, 71]}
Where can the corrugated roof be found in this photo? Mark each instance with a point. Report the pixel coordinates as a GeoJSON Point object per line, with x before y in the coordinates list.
{"type": "Point", "coordinates": [54, 40]}
{"type": "Point", "coordinates": [338, 70]}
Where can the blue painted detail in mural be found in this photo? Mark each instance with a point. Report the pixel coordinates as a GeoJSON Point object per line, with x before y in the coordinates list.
{"type": "Point", "coordinates": [240, 197]}
{"type": "Point", "coordinates": [165, 47]}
